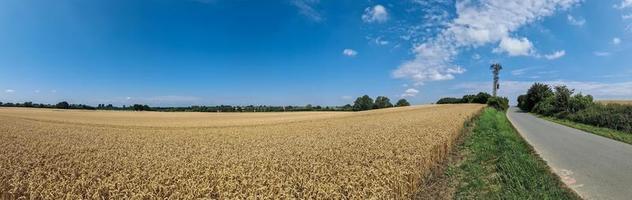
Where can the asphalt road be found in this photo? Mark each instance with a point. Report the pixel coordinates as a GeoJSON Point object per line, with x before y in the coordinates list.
{"type": "Point", "coordinates": [595, 167]}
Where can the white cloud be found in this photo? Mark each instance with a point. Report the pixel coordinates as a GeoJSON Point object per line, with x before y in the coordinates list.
{"type": "Point", "coordinates": [306, 8]}
{"type": "Point", "coordinates": [53, 91]}
{"type": "Point", "coordinates": [37, 91]}
{"type": "Point", "coordinates": [349, 52]}
{"type": "Point", "coordinates": [555, 55]}
{"type": "Point", "coordinates": [601, 53]}
{"type": "Point", "coordinates": [616, 41]}
{"type": "Point", "coordinates": [515, 47]}
{"type": "Point", "coordinates": [376, 13]}
{"type": "Point", "coordinates": [575, 22]}
{"type": "Point", "coordinates": [628, 16]}
{"type": "Point", "coordinates": [128, 98]}
{"type": "Point", "coordinates": [519, 72]}
{"type": "Point", "coordinates": [346, 97]}
{"type": "Point", "coordinates": [476, 57]}
{"type": "Point", "coordinates": [410, 92]}
{"type": "Point", "coordinates": [623, 4]}
{"type": "Point", "coordinates": [477, 23]}
{"type": "Point", "coordinates": [9, 91]}
{"type": "Point", "coordinates": [380, 41]}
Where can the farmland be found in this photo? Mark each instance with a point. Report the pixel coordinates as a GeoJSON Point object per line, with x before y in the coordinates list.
{"type": "Point", "coordinates": [622, 102]}
{"type": "Point", "coordinates": [385, 153]}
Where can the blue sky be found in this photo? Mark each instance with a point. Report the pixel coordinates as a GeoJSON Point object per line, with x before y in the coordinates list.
{"type": "Point", "coordinates": [184, 52]}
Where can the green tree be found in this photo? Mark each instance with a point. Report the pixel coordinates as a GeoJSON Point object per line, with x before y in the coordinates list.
{"type": "Point", "coordinates": [481, 98]}
{"type": "Point", "coordinates": [402, 102]}
{"type": "Point", "coordinates": [363, 103]}
{"type": "Point", "coordinates": [468, 98]}
{"type": "Point", "coordinates": [538, 92]}
{"type": "Point", "coordinates": [522, 102]}
{"type": "Point", "coordinates": [62, 105]}
{"type": "Point", "coordinates": [562, 98]}
{"type": "Point", "coordinates": [383, 102]}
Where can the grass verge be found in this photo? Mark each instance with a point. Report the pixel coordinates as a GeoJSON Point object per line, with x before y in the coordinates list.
{"type": "Point", "coordinates": [605, 132]}
{"type": "Point", "coordinates": [496, 163]}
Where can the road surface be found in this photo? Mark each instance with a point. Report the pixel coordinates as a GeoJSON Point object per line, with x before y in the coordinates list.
{"type": "Point", "coordinates": [595, 167]}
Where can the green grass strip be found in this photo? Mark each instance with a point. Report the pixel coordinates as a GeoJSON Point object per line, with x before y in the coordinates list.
{"type": "Point", "coordinates": [498, 164]}
{"type": "Point", "coordinates": [605, 132]}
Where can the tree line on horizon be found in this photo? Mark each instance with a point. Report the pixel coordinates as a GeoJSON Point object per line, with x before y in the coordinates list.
{"type": "Point", "coordinates": [361, 103]}
{"type": "Point", "coordinates": [500, 103]}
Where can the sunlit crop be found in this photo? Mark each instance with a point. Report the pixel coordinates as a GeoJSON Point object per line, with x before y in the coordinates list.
{"type": "Point", "coordinates": [380, 154]}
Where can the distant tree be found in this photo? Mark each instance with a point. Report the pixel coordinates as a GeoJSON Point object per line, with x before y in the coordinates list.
{"type": "Point", "coordinates": [383, 102]}
{"type": "Point", "coordinates": [450, 100]}
{"type": "Point", "coordinates": [62, 105]}
{"type": "Point", "coordinates": [363, 103]}
{"type": "Point", "coordinates": [347, 107]}
{"type": "Point", "coordinates": [0, 103]}
{"type": "Point", "coordinates": [469, 98]}
{"type": "Point", "coordinates": [538, 92]}
{"type": "Point", "coordinates": [481, 97]}
{"type": "Point", "coordinates": [309, 107]}
{"type": "Point", "coordinates": [402, 102]}
{"type": "Point", "coordinates": [522, 102]}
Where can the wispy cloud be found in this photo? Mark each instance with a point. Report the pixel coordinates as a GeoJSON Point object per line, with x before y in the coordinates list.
{"type": "Point", "coordinates": [376, 13]}
{"type": "Point", "coordinates": [601, 53]}
{"type": "Point", "coordinates": [349, 52]}
{"type": "Point", "coordinates": [478, 23]}
{"type": "Point", "coordinates": [519, 72]}
{"type": "Point", "coordinates": [410, 92]}
{"type": "Point", "coordinates": [306, 8]}
{"type": "Point", "coordinates": [575, 22]}
{"type": "Point", "coordinates": [616, 41]}
{"type": "Point", "coordinates": [623, 4]}
{"type": "Point", "coordinates": [9, 91]}
{"type": "Point", "coordinates": [555, 55]}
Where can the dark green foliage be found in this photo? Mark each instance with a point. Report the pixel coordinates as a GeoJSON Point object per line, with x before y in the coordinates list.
{"type": "Point", "coordinates": [382, 102]}
{"type": "Point", "coordinates": [537, 93]}
{"type": "Point", "coordinates": [450, 100]}
{"type": "Point", "coordinates": [614, 116]}
{"type": "Point", "coordinates": [579, 102]}
{"type": "Point", "coordinates": [468, 98]}
{"type": "Point", "coordinates": [481, 98]}
{"type": "Point", "coordinates": [402, 102]}
{"type": "Point", "coordinates": [545, 107]}
{"type": "Point", "coordinates": [562, 98]}
{"type": "Point", "coordinates": [62, 105]}
{"type": "Point", "coordinates": [499, 103]}
{"type": "Point", "coordinates": [577, 108]}
{"type": "Point", "coordinates": [522, 102]}
{"type": "Point", "coordinates": [363, 103]}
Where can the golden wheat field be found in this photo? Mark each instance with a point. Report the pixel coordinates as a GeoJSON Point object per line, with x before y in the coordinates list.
{"type": "Point", "coordinates": [622, 102]}
{"type": "Point", "coordinates": [68, 154]}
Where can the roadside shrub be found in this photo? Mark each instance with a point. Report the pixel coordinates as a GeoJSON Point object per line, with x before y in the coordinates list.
{"type": "Point", "coordinates": [499, 103]}
{"type": "Point", "coordinates": [579, 102]}
{"type": "Point", "coordinates": [522, 102]}
{"type": "Point", "coordinates": [614, 116]}
{"type": "Point", "coordinates": [545, 107]}
{"type": "Point", "coordinates": [537, 93]}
